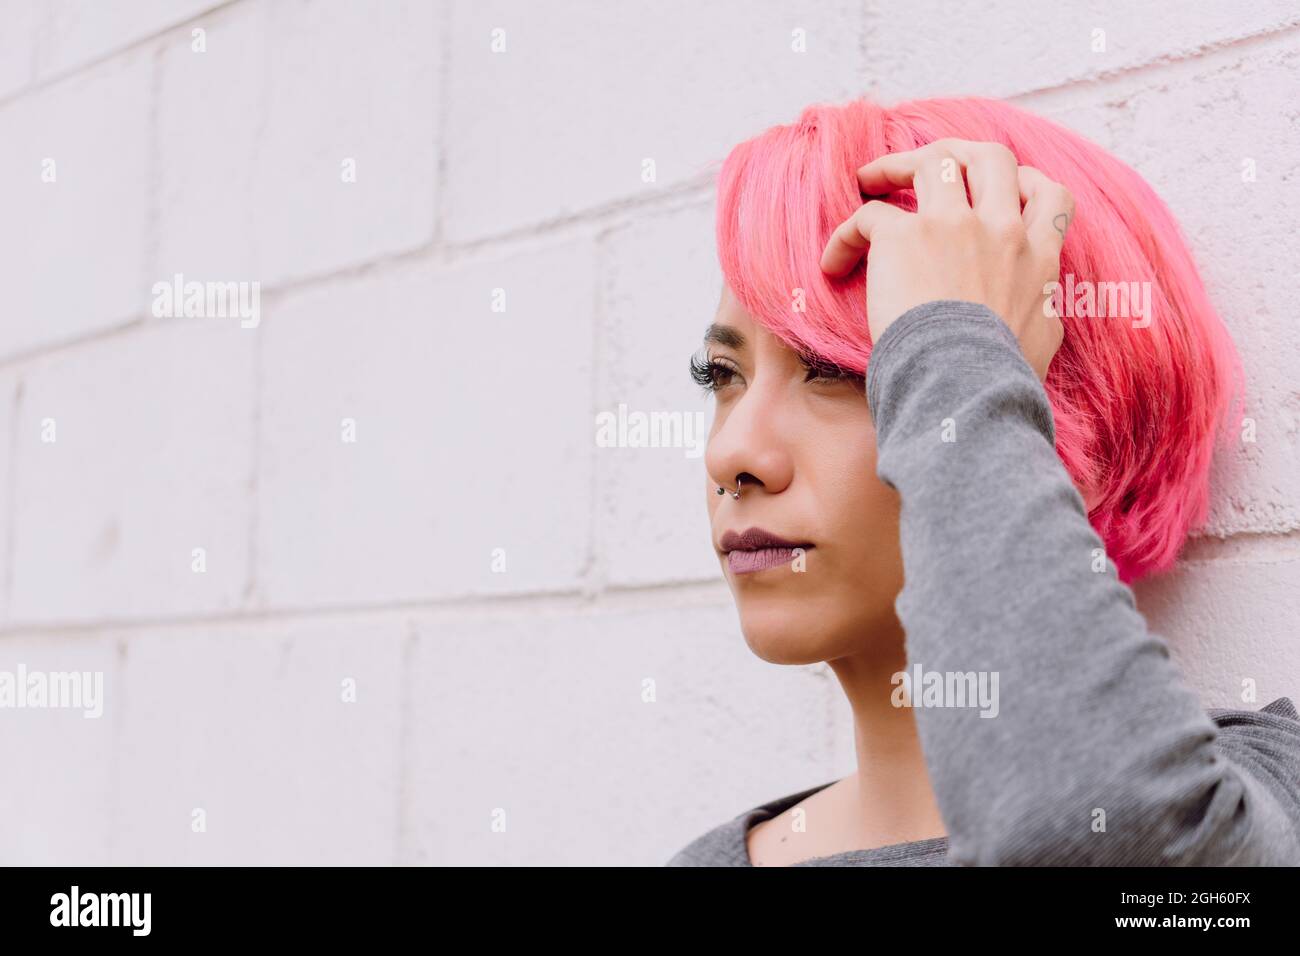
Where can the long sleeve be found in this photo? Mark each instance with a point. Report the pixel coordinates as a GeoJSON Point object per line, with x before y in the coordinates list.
{"type": "Point", "coordinates": [1098, 753]}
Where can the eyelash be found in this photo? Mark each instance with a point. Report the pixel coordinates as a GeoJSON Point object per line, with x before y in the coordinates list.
{"type": "Point", "coordinates": [705, 370]}
{"type": "Point", "coordinates": [829, 371]}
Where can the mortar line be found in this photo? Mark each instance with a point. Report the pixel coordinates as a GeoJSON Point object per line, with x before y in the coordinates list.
{"type": "Point", "coordinates": [131, 46]}
{"type": "Point", "coordinates": [1199, 54]}
{"type": "Point", "coordinates": [611, 215]}
{"type": "Point", "coordinates": [623, 597]}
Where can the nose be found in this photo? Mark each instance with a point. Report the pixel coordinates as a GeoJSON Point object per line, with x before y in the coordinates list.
{"type": "Point", "coordinates": [749, 449]}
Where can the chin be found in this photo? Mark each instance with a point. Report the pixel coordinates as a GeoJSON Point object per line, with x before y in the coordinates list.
{"type": "Point", "coordinates": [810, 626]}
{"type": "Point", "coordinates": [789, 631]}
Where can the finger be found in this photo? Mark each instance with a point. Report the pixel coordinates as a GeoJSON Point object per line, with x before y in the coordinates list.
{"type": "Point", "coordinates": [1049, 209]}
{"type": "Point", "coordinates": [988, 169]}
{"type": "Point", "coordinates": [931, 171]}
{"type": "Point", "coordinates": [849, 242]}
{"type": "Point", "coordinates": [991, 173]}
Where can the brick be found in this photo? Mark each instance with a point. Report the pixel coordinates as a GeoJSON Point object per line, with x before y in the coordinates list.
{"type": "Point", "coordinates": [56, 805]}
{"type": "Point", "coordinates": [348, 81]}
{"type": "Point", "coordinates": [75, 248]}
{"type": "Point", "coordinates": [8, 437]}
{"type": "Point", "coordinates": [560, 738]}
{"type": "Point", "coordinates": [23, 19]}
{"type": "Point", "coordinates": [152, 459]}
{"type": "Point", "coordinates": [248, 723]}
{"type": "Point", "coordinates": [1001, 48]}
{"type": "Point", "coordinates": [255, 131]}
{"type": "Point", "coordinates": [1231, 621]}
{"type": "Point", "coordinates": [473, 433]}
{"type": "Point", "coordinates": [80, 31]}
{"type": "Point", "coordinates": [562, 120]}
{"type": "Point", "coordinates": [660, 290]}
{"type": "Point", "coordinates": [211, 106]}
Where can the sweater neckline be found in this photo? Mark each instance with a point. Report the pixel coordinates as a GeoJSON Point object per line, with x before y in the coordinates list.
{"type": "Point", "coordinates": [893, 851]}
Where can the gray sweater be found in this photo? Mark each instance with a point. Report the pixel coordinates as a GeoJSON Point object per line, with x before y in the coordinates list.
{"type": "Point", "coordinates": [1099, 753]}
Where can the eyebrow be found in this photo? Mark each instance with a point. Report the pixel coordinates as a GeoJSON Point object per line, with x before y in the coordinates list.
{"type": "Point", "coordinates": [724, 335]}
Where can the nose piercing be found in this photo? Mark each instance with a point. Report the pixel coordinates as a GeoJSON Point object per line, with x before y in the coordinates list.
{"type": "Point", "coordinates": [734, 494]}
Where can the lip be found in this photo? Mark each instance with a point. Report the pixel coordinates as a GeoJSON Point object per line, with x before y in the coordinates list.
{"type": "Point", "coordinates": [757, 550]}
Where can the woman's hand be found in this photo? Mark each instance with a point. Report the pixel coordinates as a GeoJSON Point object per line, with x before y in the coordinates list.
{"type": "Point", "coordinates": [984, 250]}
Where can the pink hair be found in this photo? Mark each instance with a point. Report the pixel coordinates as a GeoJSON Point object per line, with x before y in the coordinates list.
{"type": "Point", "coordinates": [1137, 410]}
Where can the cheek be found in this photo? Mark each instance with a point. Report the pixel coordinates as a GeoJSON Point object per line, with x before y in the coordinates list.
{"type": "Point", "coordinates": [861, 511]}
{"type": "Point", "coordinates": [842, 459]}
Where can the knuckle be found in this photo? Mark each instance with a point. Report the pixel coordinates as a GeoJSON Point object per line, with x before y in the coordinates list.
{"type": "Point", "coordinates": [942, 149]}
{"type": "Point", "coordinates": [1000, 152]}
{"type": "Point", "coordinates": [1030, 178]}
{"type": "Point", "coordinates": [869, 212]}
{"type": "Point", "coordinates": [856, 225]}
{"type": "Point", "coordinates": [876, 215]}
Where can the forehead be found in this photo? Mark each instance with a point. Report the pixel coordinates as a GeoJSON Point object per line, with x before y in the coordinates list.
{"type": "Point", "coordinates": [733, 327]}
{"type": "Point", "coordinates": [731, 312]}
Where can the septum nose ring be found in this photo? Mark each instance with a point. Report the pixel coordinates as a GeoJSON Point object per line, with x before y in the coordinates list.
{"type": "Point", "coordinates": [734, 494]}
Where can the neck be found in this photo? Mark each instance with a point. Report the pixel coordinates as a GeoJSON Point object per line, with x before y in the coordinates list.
{"type": "Point", "coordinates": [892, 800]}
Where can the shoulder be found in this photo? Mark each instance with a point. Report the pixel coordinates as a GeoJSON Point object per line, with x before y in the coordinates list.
{"type": "Point", "coordinates": [724, 845]}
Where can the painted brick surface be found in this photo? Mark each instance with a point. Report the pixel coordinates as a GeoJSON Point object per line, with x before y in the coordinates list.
{"type": "Point", "coordinates": [475, 229]}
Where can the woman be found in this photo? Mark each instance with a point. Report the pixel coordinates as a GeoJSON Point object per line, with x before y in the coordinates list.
{"type": "Point", "coordinates": [947, 498]}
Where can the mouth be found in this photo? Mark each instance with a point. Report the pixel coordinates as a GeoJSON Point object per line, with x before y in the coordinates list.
{"type": "Point", "coordinates": [758, 550]}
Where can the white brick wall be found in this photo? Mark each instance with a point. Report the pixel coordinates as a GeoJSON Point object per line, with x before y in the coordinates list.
{"type": "Point", "coordinates": [152, 458]}
{"type": "Point", "coordinates": [252, 137]}
{"type": "Point", "coordinates": [413, 509]}
{"type": "Point", "coordinates": [677, 83]}
{"type": "Point", "coordinates": [372, 561]}
{"type": "Point", "coordinates": [91, 130]}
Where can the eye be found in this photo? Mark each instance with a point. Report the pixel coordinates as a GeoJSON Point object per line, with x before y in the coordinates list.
{"type": "Point", "coordinates": [712, 373]}
{"type": "Point", "coordinates": [822, 370]}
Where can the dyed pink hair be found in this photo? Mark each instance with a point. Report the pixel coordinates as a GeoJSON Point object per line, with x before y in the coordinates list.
{"type": "Point", "coordinates": [1137, 410]}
